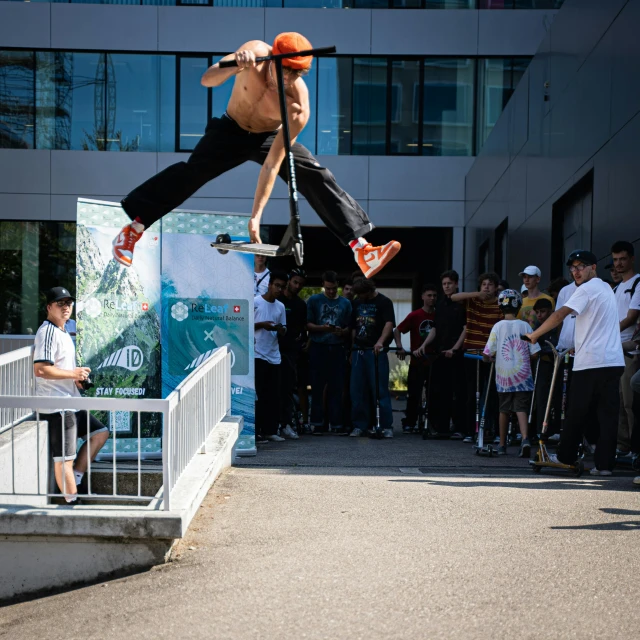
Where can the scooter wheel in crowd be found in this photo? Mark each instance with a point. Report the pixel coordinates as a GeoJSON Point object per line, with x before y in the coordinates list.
{"type": "Point", "coordinates": [537, 468]}
{"type": "Point", "coordinates": [579, 469]}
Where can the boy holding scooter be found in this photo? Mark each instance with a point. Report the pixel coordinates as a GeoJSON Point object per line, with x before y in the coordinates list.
{"type": "Point", "coordinates": [513, 368]}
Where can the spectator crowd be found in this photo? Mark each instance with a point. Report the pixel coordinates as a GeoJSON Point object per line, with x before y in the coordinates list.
{"type": "Point", "coordinates": [322, 365]}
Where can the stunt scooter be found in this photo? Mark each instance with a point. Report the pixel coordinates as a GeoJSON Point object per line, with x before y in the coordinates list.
{"type": "Point", "coordinates": [291, 243]}
{"type": "Point", "coordinates": [480, 447]}
{"type": "Point", "coordinates": [542, 459]}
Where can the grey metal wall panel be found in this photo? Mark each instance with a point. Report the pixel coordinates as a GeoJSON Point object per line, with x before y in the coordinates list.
{"type": "Point", "coordinates": [25, 206]}
{"type": "Point", "coordinates": [93, 26]}
{"type": "Point", "coordinates": [25, 171]}
{"type": "Point", "coordinates": [25, 24]}
{"type": "Point", "coordinates": [418, 213]}
{"type": "Point", "coordinates": [208, 29]}
{"type": "Point", "coordinates": [64, 207]}
{"type": "Point", "coordinates": [87, 173]}
{"type": "Point", "coordinates": [512, 33]}
{"type": "Point", "coordinates": [625, 63]}
{"type": "Point", "coordinates": [348, 31]}
{"type": "Point", "coordinates": [416, 32]}
{"type": "Point", "coordinates": [404, 178]}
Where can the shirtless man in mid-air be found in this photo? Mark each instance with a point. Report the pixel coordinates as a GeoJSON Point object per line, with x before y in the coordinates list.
{"type": "Point", "coordinates": [250, 129]}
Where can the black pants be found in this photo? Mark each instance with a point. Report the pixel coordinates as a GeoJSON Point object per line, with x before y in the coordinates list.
{"type": "Point", "coordinates": [267, 397]}
{"type": "Point", "coordinates": [226, 145]}
{"type": "Point", "coordinates": [593, 390]}
{"type": "Point", "coordinates": [447, 398]}
{"type": "Point", "coordinates": [417, 378]}
{"type": "Point", "coordinates": [470, 369]}
{"type": "Point", "coordinates": [288, 386]}
{"type": "Point", "coordinates": [327, 367]}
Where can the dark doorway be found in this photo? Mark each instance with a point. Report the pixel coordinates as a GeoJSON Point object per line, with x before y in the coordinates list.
{"type": "Point", "coordinates": [571, 224]}
{"type": "Point", "coordinates": [425, 254]}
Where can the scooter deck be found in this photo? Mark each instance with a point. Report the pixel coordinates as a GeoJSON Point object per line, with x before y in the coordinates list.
{"type": "Point", "coordinates": [251, 247]}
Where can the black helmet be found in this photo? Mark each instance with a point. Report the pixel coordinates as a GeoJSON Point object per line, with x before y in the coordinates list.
{"type": "Point", "coordinates": [582, 255]}
{"type": "Point", "coordinates": [298, 271]}
{"type": "Point", "coordinates": [509, 300]}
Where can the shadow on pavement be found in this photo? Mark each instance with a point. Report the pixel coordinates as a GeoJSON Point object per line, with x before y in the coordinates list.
{"type": "Point", "coordinates": [625, 525]}
{"type": "Point", "coordinates": [613, 484]}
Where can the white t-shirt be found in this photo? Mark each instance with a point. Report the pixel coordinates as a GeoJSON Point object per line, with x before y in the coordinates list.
{"type": "Point", "coordinates": [623, 300]}
{"type": "Point", "coordinates": [54, 346]}
{"type": "Point", "coordinates": [266, 342]}
{"type": "Point", "coordinates": [597, 338]}
{"type": "Point", "coordinates": [513, 355]}
{"type": "Point", "coordinates": [568, 333]}
{"type": "Point", "coordinates": [261, 282]}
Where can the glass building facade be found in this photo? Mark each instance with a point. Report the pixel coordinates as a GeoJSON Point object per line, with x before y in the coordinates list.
{"type": "Point", "coordinates": [154, 102]}
{"type": "Point", "coordinates": [334, 4]}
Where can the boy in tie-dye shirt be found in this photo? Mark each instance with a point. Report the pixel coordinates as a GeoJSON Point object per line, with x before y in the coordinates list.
{"type": "Point", "coordinates": [513, 367]}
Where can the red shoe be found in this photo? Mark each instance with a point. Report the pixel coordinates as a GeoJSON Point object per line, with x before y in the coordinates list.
{"type": "Point", "coordinates": [371, 259]}
{"type": "Point", "coordinates": [124, 243]}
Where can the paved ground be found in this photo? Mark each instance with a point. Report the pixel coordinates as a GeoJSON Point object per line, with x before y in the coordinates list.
{"type": "Point", "coordinates": [341, 538]}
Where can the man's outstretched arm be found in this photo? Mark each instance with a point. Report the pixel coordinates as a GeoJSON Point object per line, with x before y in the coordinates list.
{"type": "Point", "coordinates": [298, 115]}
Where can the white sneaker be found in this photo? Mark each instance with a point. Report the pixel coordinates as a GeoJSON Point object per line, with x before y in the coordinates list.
{"type": "Point", "coordinates": [554, 438]}
{"type": "Point", "coordinates": [636, 480]}
{"type": "Point", "coordinates": [275, 438]}
{"type": "Point", "coordinates": [356, 433]}
{"type": "Point", "coordinates": [598, 472]}
{"type": "Point", "coordinates": [554, 458]}
{"type": "Point", "coordinates": [387, 433]}
{"type": "Point", "coordinates": [288, 432]}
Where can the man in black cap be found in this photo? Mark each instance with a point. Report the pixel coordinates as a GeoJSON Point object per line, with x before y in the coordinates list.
{"type": "Point", "coordinates": [54, 365]}
{"type": "Point", "coordinates": [598, 365]}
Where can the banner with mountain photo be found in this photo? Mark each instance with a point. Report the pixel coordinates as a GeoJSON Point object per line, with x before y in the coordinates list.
{"type": "Point", "coordinates": [118, 314]}
{"type": "Point", "coordinates": [207, 302]}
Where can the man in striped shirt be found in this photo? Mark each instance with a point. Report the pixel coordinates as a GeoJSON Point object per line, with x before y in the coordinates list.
{"type": "Point", "coordinates": [482, 313]}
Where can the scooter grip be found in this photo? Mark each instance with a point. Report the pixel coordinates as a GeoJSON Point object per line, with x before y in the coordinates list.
{"type": "Point", "coordinates": [525, 337]}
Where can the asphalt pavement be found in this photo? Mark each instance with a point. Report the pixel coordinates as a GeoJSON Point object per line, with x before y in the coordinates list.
{"type": "Point", "coordinates": [337, 537]}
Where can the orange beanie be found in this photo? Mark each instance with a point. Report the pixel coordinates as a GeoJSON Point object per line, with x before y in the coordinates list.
{"type": "Point", "coordinates": [290, 42]}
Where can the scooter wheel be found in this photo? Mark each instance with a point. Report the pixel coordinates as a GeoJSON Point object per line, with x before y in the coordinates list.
{"type": "Point", "coordinates": [537, 468]}
{"type": "Point", "coordinates": [223, 238]}
{"type": "Point", "coordinates": [579, 469]}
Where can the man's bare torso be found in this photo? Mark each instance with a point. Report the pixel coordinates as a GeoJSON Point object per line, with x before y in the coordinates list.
{"type": "Point", "coordinates": [254, 102]}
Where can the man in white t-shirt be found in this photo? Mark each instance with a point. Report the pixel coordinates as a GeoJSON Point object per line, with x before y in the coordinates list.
{"type": "Point", "coordinates": [270, 322]}
{"type": "Point", "coordinates": [622, 253]}
{"type": "Point", "coordinates": [598, 364]}
{"type": "Point", "coordinates": [260, 275]}
{"type": "Point", "coordinates": [54, 366]}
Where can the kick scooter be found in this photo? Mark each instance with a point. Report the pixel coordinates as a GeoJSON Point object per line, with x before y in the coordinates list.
{"type": "Point", "coordinates": [542, 459]}
{"type": "Point", "coordinates": [291, 243]}
{"type": "Point", "coordinates": [480, 447]}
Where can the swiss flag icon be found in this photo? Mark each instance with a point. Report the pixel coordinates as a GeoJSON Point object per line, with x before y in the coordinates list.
{"type": "Point", "coordinates": [236, 309]}
{"type": "Point", "coordinates": [145, 306]}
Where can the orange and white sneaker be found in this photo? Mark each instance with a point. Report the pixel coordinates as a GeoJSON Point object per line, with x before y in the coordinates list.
{"type": "Point", "coordinates": [124, 243]}
{"type": "Point", "coordinates": [371, 259]}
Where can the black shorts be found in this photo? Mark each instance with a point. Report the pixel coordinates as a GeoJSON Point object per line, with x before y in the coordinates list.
{"type": "Point", "coordinates": [515, 401]}
{"type": "Point", "coordinates": [75, 426]}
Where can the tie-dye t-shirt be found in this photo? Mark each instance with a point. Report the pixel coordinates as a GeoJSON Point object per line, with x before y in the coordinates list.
{"type": "Point", "coordinates": [513, 355]}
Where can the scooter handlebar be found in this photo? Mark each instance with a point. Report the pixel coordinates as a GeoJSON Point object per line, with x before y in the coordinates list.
{"type": "Point", "coordinates": [319, 51]}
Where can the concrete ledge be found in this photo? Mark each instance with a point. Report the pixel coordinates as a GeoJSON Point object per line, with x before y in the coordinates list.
{"type": "Point", "coordinates": [59, 545]}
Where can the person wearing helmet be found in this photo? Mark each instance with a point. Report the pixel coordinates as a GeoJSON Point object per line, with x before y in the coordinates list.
{"type": "Point", "coordinates": [513, 368]}
{"type": "Point", "coordinates": [598, 364]}
{"type": "Point", "coordinates": [250, 129]}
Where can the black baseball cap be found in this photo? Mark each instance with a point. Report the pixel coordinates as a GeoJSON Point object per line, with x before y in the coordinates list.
{"type": "Point", "coordinates": [582, 255]}
{"type": "Point", "coordinates": [58, 293]}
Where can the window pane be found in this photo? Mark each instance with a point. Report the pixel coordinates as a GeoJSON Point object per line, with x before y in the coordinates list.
{"type": "Point", "coordinates": [369, 106]}
{"type": "Point", "coordinates": [193, 102]}
{"type": "Point", "coordinates": [167, 103]}
{"type": "Point", "coordinates": [334, 106]}
{"type": "Point", "coordinates": [17, 99]}
{"type": "Point", "coordinates": [404, 121]}
{"type": "Point", "coordinates": [136, 103]}
{"type": "Point", "coordinates": [34, 256]}
{"type": "Point", "coordinates": [448, 107]}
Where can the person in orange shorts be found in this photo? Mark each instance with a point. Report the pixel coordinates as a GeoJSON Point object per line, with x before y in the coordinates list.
{"type": "Point", "coordinates": [250, 129]}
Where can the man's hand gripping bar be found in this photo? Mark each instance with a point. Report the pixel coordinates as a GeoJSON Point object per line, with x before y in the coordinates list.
{"type": "Point", "coordinates": [279, 56]}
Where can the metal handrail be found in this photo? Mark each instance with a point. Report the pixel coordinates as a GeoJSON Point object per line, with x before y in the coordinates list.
{"type": "Point", "coordinates": [189, 413]}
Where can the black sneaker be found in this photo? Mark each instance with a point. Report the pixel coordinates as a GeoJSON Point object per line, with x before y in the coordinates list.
{"type": "Point", "coordinates": [261, 440]}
